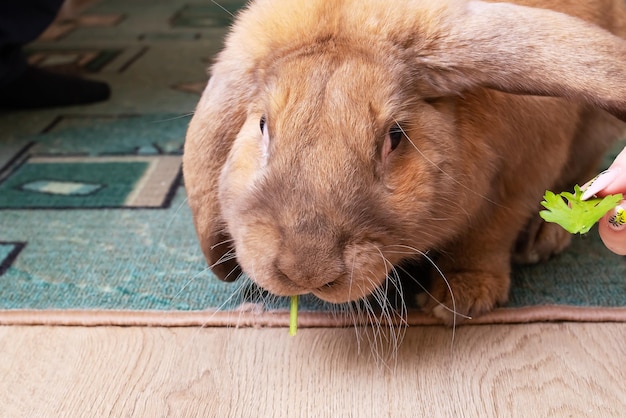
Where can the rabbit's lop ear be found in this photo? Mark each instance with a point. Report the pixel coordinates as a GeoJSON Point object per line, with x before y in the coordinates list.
{"type": "Point", "coordinates": [527, 50]}
{"type": "Point", "coordinates": [219, 116]}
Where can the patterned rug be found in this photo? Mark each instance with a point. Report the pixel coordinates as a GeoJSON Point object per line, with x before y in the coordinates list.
{"type": "Point", "coordinates": [94, 227]}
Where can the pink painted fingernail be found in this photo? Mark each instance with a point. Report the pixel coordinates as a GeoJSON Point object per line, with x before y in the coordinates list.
{"type": "Point", "coordinates": [598, 183]}
{"type": "Point", "coordinates": [617, 220]}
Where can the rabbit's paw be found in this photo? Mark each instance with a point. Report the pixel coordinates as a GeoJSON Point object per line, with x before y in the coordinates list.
{"type": "Point", "coordinates": [539, 241]}
{"type": "Point", "coordinates": [465, 295]}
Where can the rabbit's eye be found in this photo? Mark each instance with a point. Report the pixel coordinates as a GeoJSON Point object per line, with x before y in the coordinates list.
{"type": "Point", "coordinates": [395, 135]}
{"type": "Point", "coordinates": [265, 137]}
{"type": "Point", "coordinates": [262, 123]}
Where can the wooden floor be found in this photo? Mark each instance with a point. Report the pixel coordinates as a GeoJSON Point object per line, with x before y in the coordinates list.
{"type": "Point", "coordinates": [537, 370]}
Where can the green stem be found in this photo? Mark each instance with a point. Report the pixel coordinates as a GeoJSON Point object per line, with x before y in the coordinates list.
{"type": "Point", "coordinates": [293, 316]}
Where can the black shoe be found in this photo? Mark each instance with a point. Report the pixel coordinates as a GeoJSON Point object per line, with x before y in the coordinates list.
{"type": "Point", "coordinates": [37, 88]}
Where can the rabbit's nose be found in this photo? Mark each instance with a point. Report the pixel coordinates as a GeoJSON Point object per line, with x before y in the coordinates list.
{"type": "Point", "coordinates": [307, 281]}
{"type": "Point", "coordinates": [308, 269]}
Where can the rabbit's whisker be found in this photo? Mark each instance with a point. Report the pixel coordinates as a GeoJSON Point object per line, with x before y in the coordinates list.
{"type": "Point", "coordinates": [226, 241]}
{"type": "Point", "coordinates": [447, 283]}
{"type": "Point", "coordinates": [223, 8]}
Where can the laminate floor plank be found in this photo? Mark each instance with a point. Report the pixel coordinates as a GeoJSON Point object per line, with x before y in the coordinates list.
{"type": "Point", "coordinates": [534, 370]}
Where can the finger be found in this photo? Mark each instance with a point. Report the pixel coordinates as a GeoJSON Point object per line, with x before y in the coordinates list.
{"type": "Point", "coordinates": [619, 184]}
{"type": "Point", "coordinates": [600, 182]}
{"type": "Point", "coordinates": [612, 228]}
{"type": "Point", "coordinates": [610, 181]}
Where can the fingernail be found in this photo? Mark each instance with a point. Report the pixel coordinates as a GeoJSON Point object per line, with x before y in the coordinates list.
{"type": "Point", "coordinates": [617, 221]}
{"type": "Point", "coordinates": [598, 183]}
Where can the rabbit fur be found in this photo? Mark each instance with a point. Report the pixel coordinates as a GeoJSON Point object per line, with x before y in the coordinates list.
{"type": "Point", "coordinates": [336, 139]}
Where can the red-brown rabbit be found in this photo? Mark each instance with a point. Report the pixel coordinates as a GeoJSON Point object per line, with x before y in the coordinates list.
{"type": "Point", "coordinates": [337, 138]}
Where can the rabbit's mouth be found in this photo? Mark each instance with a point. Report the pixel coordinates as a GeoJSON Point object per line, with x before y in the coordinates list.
{"type": "Point", "coordinates": [342, 292]}
{"type": "Point", "coordinates": [337, 292]}
{"type": "Point", "coordinates": [358, 273]}
{"type": "Point", "coordinates": [332, 288]}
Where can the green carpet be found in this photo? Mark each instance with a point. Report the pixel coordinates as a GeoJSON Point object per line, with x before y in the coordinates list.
{"type": "Point", "coordinates": [92, 205]}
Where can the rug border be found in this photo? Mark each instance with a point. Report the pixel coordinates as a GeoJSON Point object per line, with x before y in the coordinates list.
{"type": "Point", "coordinates": [280, 318]}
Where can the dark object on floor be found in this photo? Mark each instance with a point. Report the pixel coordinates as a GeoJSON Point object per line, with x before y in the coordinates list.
{"type": "Point", "coordinates": [37, 88]}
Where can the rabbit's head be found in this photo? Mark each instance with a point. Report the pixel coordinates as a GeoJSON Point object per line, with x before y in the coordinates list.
{"type": "Point", "coordinates": [339, 167]}
{"type": "Point", "coordinates": [336, 139]}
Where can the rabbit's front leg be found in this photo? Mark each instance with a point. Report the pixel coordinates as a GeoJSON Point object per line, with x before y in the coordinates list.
{"type": "Point", "coordinates": [473, 275]}
{"type": "Point", "coordinates": [539, 241]}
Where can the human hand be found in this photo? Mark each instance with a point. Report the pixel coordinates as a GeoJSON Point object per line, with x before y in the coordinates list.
{"type": "Point", "coordinates": [612, 226]}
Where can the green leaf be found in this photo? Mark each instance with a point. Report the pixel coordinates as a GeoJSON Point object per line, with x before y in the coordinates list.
{"type": "Point", "coordinates": [575, 215]}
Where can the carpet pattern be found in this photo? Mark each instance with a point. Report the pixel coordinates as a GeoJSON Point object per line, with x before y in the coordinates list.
{"type": "Point", "coordinates": [93, 218]}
